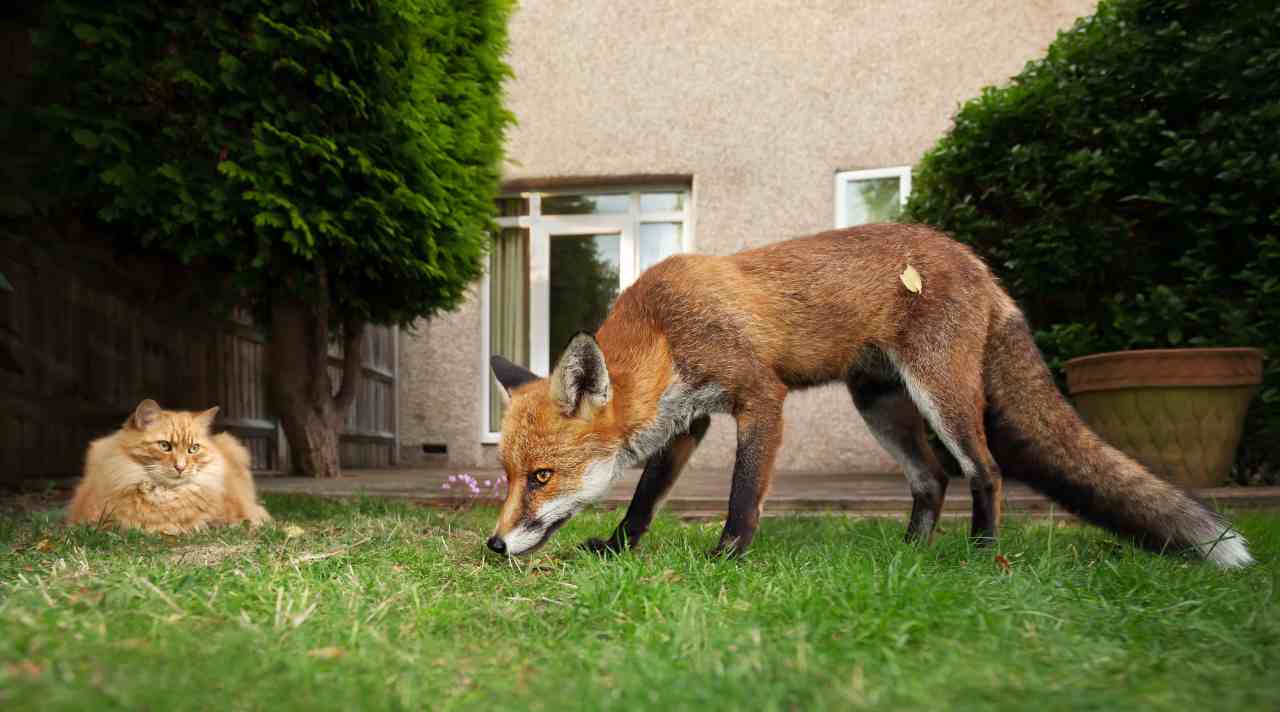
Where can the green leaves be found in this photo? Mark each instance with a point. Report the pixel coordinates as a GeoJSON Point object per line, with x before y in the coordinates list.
{"type": "Point", "coordinates": [88, 139]}
{"type": "Point", "coordinates": [1130, 176]}
{"type": "Point", "coordinates": [86, 33]}
{"type": "Point", "coordinates": [266, 141]}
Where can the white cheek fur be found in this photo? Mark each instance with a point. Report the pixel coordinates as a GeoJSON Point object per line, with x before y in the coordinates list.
{"type": "Point", "coordinates": [596, 480]}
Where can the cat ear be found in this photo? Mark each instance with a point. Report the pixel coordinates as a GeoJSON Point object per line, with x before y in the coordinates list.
{"type": "Point", "coordinates": [206, 418]}
{"type": "Point", "coordinates": [144, 416]}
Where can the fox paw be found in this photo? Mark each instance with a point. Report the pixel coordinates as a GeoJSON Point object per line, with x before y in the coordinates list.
{"type": "Point", "coordinates": [731, 546]}
{"type": "Point", "coordinates": [600, 547]}
{"type": "Point", "coordinates": [982, 540]}
{"type": "Point", "coordinates": [730, 552]}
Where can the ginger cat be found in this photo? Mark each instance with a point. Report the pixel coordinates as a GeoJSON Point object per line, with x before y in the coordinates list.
{"type": "Point", "coordinates": [163, 472]}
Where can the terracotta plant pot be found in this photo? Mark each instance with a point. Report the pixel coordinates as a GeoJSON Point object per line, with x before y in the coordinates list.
{"type": "Point", "coordinates": [1180, 412]}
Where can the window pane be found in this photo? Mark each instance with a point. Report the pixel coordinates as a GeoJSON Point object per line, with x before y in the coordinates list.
{"type": "Point", "coordinates": [583, 285]}
{"type": "Point", "coordinates": [661, 202]}
{"type": "Point", "coordinates": [657, 242]}
{"type": "Point", "coordinates": [599, 204]}
{"type": "Point", "coordinates": [873, 200]}
{"type": "Point", "coordinates": [513, 207]}
{"type": "Point", "coordinates": [508, 308]}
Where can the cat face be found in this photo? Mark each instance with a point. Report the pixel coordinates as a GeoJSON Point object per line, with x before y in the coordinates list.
{"type": "Point", "coordinates": [170, 446]}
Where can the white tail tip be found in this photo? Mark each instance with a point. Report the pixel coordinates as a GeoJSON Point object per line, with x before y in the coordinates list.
{"type": "Point", "coordinates": [1228, 550]}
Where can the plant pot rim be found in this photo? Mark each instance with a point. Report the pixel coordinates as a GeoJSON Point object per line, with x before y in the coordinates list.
{"type": "Point", "coordinates": [1154, 368]}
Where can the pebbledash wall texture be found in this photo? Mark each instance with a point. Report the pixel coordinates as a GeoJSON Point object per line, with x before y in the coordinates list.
{"type": "Point", "coordinates": [760, 104]}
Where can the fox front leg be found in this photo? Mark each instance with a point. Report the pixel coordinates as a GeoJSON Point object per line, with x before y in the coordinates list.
{"type": "Point", "coordinates": [759, 435]}
{"type": "Point", "coordinates": [660, 473]}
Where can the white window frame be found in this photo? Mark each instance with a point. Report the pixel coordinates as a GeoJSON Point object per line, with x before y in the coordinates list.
{"type": "Point", "coordinates": [843, 178]}
{"type": "Point", "coordinates": [625, 225]}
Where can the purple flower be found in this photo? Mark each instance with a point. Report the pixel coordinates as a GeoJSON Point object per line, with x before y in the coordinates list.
{"type": "Point", "coordinates": [494, 487]}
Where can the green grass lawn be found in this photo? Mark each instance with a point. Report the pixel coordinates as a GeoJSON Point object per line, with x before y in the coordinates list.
{"type": "Point", "coordinates": [379, 605]}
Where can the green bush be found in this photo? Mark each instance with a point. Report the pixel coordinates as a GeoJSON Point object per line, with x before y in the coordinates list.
{"type": "Point", "coordinates": [1126, 187]}
{"type": "Point", "coordinates": [271, 141]}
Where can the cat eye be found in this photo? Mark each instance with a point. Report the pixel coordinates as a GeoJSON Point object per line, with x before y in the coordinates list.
{"type": "Point", "coordinates": [194, 449]}
{"type": "Point", "coordinates": [166, 445]}
{"type": "Point", "coordinates": [539, 477]}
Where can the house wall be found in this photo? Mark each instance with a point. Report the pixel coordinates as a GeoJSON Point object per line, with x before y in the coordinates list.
{"type": "Point", "coordinates": [761, 103]}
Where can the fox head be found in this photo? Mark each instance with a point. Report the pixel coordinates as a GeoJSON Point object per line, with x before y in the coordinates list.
{"type": "Point", "coordinates": [560, 446]}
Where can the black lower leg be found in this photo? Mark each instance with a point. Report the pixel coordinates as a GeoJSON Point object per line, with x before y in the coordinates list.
{"type": "Point", "coordinates": [897, 425]}
{"type": "Point", "coordinates": [757, 444]}
{"type": "Point", "coordinates": [926, 507]}
{"type": "Point", "coordinates": [660, 473]}
{"type": "Point", "coordinates": [987, 500]}
{"type": "Point", "coordinates": [654, 483]}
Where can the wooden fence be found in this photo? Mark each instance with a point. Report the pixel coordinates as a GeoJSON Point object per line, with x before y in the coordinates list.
{"type": "Point", "coordinates": [90, 336]}
{"type": "Point", "coordinates": [370, 435]}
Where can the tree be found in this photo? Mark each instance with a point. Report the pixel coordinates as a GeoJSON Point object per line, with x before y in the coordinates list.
{"type": "Point", "coordinates": [331, 164]}
{"type": "Point", "coordinates": [1124, 186]}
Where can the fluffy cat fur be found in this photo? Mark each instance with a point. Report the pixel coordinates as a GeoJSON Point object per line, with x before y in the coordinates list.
{"type": "Point", "coordinates": [164, 472]}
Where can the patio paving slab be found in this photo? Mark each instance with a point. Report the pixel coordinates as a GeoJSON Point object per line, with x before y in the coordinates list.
{"type": "Point", "coordinates": [704, 493]}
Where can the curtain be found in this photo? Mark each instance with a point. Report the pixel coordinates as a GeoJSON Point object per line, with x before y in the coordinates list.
{"type": "Point", "coordinates": [508, 309]}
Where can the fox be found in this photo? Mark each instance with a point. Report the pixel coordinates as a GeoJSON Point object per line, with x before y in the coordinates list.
{"type": "Point", "coordinates": [915, 325]}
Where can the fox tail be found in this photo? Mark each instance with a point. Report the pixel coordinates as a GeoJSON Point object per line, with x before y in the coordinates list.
{"type": "Point", "coordinates": [1038, 438]}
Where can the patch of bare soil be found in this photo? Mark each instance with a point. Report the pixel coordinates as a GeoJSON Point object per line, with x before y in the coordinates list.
{"type": "Point", "coordinates": [207, 554]}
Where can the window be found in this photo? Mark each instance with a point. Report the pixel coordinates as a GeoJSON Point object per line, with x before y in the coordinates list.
{"type": "Point", "coordinates": [871, 196]}
{"type": "Point", "coordinates": [559, 261]}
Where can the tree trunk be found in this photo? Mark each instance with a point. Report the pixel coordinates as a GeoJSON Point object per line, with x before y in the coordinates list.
{"type": "Point", "coordinates": [313, 442]}
{"type": "Point", "coordinates": [309, 410]}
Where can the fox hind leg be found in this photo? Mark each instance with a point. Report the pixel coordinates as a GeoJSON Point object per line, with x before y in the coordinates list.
{"type": "Point", "coordinates": [948, 390]}
{"type": "Point", "coordinates": [897, 425]}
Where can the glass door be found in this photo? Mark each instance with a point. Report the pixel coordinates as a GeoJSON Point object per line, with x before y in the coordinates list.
{"type": "Point", "coordinates": [576, 273]}
{"type": "Point", "coordinates": [560, 261]}
{"type": "Point", "coordinates": [583, 282]}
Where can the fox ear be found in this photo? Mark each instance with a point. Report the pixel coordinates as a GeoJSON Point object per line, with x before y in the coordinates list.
{"type": "Point", "coordinates": [580, 383]}
{"type": "Point", "coordinates": [146, 414]}
{"type": "Point", "coordinates": [510, 376]}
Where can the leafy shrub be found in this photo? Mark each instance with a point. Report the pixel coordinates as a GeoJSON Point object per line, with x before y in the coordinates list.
{"type": "Point", "coordinates": [1126, 187]}
{"type": "Point", "coordinates": [275, 140]}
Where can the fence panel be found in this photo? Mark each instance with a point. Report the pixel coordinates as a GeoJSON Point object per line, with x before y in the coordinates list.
{"type": "Point", "coordinates": [82, 341]}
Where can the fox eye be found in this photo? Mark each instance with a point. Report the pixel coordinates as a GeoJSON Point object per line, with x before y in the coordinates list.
{"type": "Point", "coordinates": [539, 477]}
{"type": "Point", "coordinates": [166, 445]}
{"type": "Point", "coordinates": [195, 447]}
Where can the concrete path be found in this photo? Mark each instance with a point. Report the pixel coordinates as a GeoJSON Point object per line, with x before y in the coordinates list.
{"type": "Point", "coordinates": [705, 493]}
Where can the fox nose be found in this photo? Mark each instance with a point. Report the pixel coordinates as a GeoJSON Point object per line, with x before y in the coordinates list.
{"type": "Point", "coordinates": [497, 545]}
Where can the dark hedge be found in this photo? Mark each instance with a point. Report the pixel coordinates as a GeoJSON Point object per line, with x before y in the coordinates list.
{"type": "Point", "coordinates": [1126, 187]}
{"type": "Point", "coordinates": [274, 144]}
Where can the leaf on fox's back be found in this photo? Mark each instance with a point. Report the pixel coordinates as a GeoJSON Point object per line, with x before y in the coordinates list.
{"type": "Point", "coordinates": [911, 280]}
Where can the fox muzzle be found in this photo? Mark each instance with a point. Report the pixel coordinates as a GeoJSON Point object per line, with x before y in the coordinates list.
{"type": "Point", "coordinates": [526, 537]}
